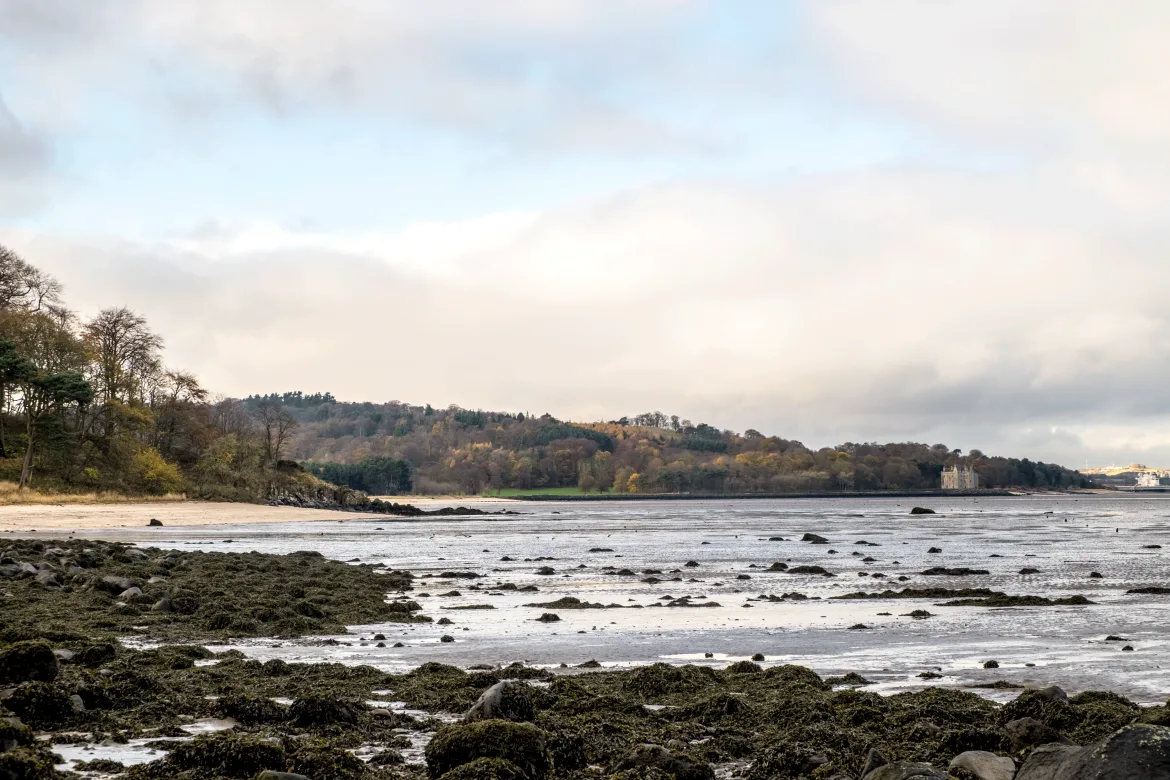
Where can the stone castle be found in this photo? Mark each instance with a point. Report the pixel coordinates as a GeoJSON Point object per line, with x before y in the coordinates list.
{"type": "Point", "coordinates": [956, 478]}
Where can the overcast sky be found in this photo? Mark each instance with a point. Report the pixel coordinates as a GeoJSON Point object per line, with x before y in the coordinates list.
{"type": "Point", "coordinates": [829, 220]}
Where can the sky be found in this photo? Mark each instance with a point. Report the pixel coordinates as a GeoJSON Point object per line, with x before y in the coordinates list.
{"type": "Point", "coordinates": [829, 220]}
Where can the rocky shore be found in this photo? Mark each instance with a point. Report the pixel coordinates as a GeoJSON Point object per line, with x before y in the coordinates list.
{"type": "Point", "coordinates": [67, 681]}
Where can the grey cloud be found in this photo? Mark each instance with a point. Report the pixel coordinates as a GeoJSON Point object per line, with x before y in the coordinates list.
{"type": "Point", "coordinates": [23, 153]}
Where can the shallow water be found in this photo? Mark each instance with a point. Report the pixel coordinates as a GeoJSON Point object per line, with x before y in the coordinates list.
{"type": "Point", "coordinates": [1065, 537]}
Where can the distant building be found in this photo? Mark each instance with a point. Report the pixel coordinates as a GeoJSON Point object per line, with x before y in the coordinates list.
{"type": "Point", "coordinates": [955, 478]}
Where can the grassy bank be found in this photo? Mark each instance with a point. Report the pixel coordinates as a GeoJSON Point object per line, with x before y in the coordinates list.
{"type": "Point", "coordinates": [12, 495]}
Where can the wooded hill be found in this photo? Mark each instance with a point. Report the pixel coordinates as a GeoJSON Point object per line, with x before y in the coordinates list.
{"type": "Point", "coordinates": [90, 406]}
{"type": "Point", "coordinates": [458, 450]}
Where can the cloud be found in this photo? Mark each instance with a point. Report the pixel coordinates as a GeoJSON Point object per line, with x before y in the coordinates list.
{"type": "Point", "coordinates": [523, 71]}
{"type": "Point", "coordinates": [25, 157]}
{"type": "Point", "coordinates": [845, 307]}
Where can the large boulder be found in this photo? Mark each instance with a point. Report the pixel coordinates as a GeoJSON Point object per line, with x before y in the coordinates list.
{"type": "Point", "coordinates": [519, 743]}
{"type": "Point", "coordinates": [983, 765]}
{"type": "Point", "coordinates": [1023, 733]}
{"type": "Point", "coordinates": [905, 770]}
{"type": "Point", "coordinates": [322, 711]}
{"type": "Point", "coordinates": [13, 734]}
{"type": "Point", "coordinates": [503, 701]}
{"type": "Point", "coordinates": [1136, 752]}
{"type": "Point", "coordinates": [680, 765]}
{"type": "Point", "coordinates": [27, 661]}
{"type": "Point", "coordinates": [486, 769]}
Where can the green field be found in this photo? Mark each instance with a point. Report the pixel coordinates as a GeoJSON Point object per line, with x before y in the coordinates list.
{"type": "Point", "coordinates": [519, 493]}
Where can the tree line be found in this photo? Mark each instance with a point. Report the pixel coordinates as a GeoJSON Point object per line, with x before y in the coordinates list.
{"type": "Point", "coordinates": [456, 450]}
{"type": "Point", "coordinates": [90, 405]}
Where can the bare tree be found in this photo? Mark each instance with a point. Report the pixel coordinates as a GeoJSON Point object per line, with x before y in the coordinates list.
{"type": "Point", "coordinates": [126, 353]}
{"type": "Point", "coordinates": [278, 425]}
{"type": "Point", "coordinates": [24, 287]}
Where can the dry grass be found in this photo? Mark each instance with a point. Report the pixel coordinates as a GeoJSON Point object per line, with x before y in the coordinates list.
{"type": "Point", "coordinates": [12, 495]}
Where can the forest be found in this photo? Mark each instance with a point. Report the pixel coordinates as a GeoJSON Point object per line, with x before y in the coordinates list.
{"type": "Point", "coordinates": [460, 451]}
{"type": "Point", "coordinates": [89, 405]}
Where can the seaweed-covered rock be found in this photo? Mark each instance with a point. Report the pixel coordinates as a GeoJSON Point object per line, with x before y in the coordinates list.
{"type": "Point", "coordinates": [679, 765]}
{"type": "Point", "coordinates": [13, 734]}
{"type": "Point", "coordinates": [520, 743]}
{"type": "Point", "coordinates": [24, 661]}
{"type": "Point", "coordinates": [786, 762]}
{"type": "Point", "coordinates": [228, 755]}
{"type": "Point", "coordinates": [1136, 752]}
{"type": "Point", "coordinates": [661, 678]}
{"type": "Point", "coordinates": [41, 705]}
{"type": "Point", "coordinates": [272, 774]}
{"type": "Point", "coordinates": [486, 769]}
{"type": "Point", "coordinates": [27, 763]}
{"type": "Point", "coordinates": [503, 701]}
{"type": "Point", "coordinates": [249, 710]}
{"type": "Point", "coordinates": [312, 711]}
{"type": "Point", "coordinates": [326, 761]}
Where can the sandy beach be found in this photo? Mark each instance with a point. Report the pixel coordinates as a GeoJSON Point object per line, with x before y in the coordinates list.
{"type": "Point", "coordinates": [20, 519]}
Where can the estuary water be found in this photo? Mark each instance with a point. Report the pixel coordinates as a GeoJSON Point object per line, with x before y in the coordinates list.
{"type": "Point", "coordinates": [611, 552]}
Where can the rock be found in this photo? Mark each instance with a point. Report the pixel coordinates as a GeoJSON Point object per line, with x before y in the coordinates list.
{"type": "Point", "coordinates": [984, 765]}
{"type": "Point", "coordinates": [113, 584]}
{"type": "Point", "coordinates": [1135, 752]}
{"type": "Point", "coordinates": [806, 569]}
{"type": "Point", "coordinates": [446, 639]}
{"type": "Point", "coordinates": [943, 571]}
{"type": "Point", "coordinates": [162, 605]}
{"type": "Point", "coordinates": [905, 770]}
{"type": "Point", "coordinates": [321, 711]}
{"type": "Point", "coordinates": [519, 743]}
{"type": "Point", "coordinates": [77, 702]}
{"type": "Point", "coordinates": [548, 617]}
{"type": "Point", "coordinates": [546, 571]}
{"type": "Point", "coordinates": [678, 764]}
{"type": "Point", "coordinates": [272, 774]}
{"type": "Point", "coordinates": [1095, 575]}
{"type": "Point", "coordinates": [130, 594]}
{"type": "Point", "coordinates": [1051, 693]}
{"type": "Point", "coordinates": [921, 510]}
{"type": "Point", "coordinates": [691, 564]}
{"type": "Point", "coordinates": [155, 523]}
{"type": "Point", "coordinates": [1027, 570]}
{"type": "Point", "coordinates": [1024, 733]}
{"type": "Point", "coordinates": [503, 701]}
{"type": "Point", "coordinates": [873, 760]}
{"type": "Point", "coordinates": [64, 655]}
{"type": "Point", "coordinates": [10, 571]}
{"type": "Point", "coordinates": [27, 661]}
{"type": "Point", "coordinates": [13, 733]}
{"type": "Point", "coordinates": [758, 657]}
{"type": "Point", "coordinates": [992, 664]}
{"type": "Point", "coordinates": [486, 769]}
{"type": "Point", "coordinates": [47, 579]}
{"type": "Point", "coordinates": [934, 550]}
{"type": "Point", "coordinates": [814, 538]}
{"type": "Point", "coordinates": [778, 566]}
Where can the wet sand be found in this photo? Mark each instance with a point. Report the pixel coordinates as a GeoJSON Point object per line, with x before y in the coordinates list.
{"type": "Point", "coordinates": [88, 517]}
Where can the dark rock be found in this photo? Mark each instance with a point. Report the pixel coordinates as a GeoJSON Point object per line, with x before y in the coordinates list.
{"type": "Point", "coordinates": [1027, 570]}
{"type": "Point", "coordinates": [943, 571]}
{"type": "Point", "coordinates": [691, 564]}
{"type": "Point", "coordinates": [758, 657]}
{"type": "Point", "coordinates": [13, 734]}
{"type": "Point", "coordinates": [226, 755]}
{"type": "Point", "coordinates": [519, 743]}
{"type": "Point", "coordinates": [1095, 575]}
{"type": "Point", "coordinates": [1127, 649]}
{"type": "Point", "coordinates": [778, 566]}
{"type": "Point", "coordinates": [873, 760]}
{"type": "Point", "coordinates": [549, 617]}
{"type": "Point", "coordinates": [162, 605]}
{"type": "Point", "coordinates": [810, 570]}
{"type": "Point", "coordinates": [446, 639]}
{"type": "Point", "coordinates": [503, 701]}
{"type": "Point", "coordinates": [545, 571]}
{"type": "Point", "coordinates": [1135, 752]}
{"type": "Point", "coordinates": [47, 579]}
{"type": "Point", "coordinates": [1151, 590]}
{"type": "Point", "coordinates": [992, 664]}
{"type": "Point", "coordinates": [1024, 733]}
{"type": "Point", "coordinates": [681, 766]}
{"type": "Point", "coordinates": [919, 510]}
{"type": "Point", "coordinates": [934, 550]}
{"type": "Point", "coordinates": [1051, 693]}
{"type": "Point", "coordinates": [155, 523]}
{"type": "Point", "coordinates": [814, 538]}
{"type": "Point", "coordinates": [26, 661]}
{"type": "Point", "coordinates": [599, 549]}
{"type": "Point", "coordinates": [314, 711]}
{"type": "Point", "coordinates": [272, 774]}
